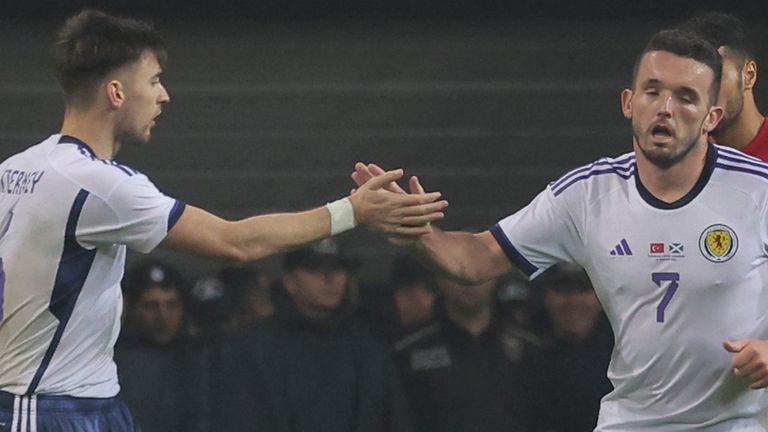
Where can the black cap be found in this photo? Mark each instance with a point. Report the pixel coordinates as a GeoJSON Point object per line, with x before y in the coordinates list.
{"type": "Point", "coordinates": [324, 255]}
{"type": "Point", "coordinates": [150, 273]}
{"type": "Point", "coordinates": [211, 300]}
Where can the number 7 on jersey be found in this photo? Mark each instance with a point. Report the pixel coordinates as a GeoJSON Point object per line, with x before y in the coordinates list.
{"type": "Point", "coordinates": [658, 279]}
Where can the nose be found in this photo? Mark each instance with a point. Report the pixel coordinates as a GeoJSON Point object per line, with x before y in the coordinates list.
{"type": "Point", "coordinates": [164, 96]}
{"type": "Point", "coordinates": [666, 105]}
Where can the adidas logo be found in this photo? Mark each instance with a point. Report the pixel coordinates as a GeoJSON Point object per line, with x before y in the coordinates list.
{"type": "Point", "coordinates": [622, 249]}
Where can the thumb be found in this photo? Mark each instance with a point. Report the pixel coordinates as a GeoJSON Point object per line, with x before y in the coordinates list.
{"type": "Point", "coordinates": [380, 181]}
{"type": "Point", "coordinates": [735, 346]}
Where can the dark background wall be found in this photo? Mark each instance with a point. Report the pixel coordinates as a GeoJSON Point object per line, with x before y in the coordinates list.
{"type": "Point", "coordinates": [274, 101]}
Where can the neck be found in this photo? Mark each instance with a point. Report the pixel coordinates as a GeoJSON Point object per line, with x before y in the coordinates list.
{"type": "Point", "coordinates": [744, 127]}
{"type": "Point", "coordinates": [475, 321]}
{"type": "Point", "coordinates": [92, 128]}
{"type": "Point", "coordinates": [672, 183]}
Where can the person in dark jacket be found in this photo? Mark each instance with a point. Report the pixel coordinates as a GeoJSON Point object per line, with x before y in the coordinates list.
{"type": "Point", "coordinates": [568, 376]}
{"type": "Point", "coordinates": [312, 367]}
{"type": "Point", "coordinates": [152, 352]}
{"type": "Point", "coordinates": [459, 373]}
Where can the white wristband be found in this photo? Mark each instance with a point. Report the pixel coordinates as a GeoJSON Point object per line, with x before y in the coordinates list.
{"type": "Point", "coordinates": [342, 216]}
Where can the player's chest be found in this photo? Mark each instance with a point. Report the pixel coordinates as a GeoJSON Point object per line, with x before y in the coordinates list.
{"type": "Point", "coordinates": [704, 242]}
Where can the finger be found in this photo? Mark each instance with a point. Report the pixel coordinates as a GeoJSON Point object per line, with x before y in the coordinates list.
{"type": "Point", "coordinates": [375, 169]}
{"type": "Point", "coordinates": [423, 209]}
{"type": "Point", "coordinates": [761, 383]}
{"type": "Point", "coordinates": [742, 360]}
{"type": "Point", "coordinates": [380, 181]}
{"type": "Point", "coordinates": [415, 185]}
{"type": "Point", "coordinates": [413, 200]}
{"type": "Point", "coordinates": [759, 372]}
{"type": "Point", "coordinates": [422, 220]}
{"type": "Point", "coordinates": [358, 178]}
{"type": "Point", "coordinates": [412, 231]}
{"type": "Point", "coordinates": [749, 370]}
{"type": "Point", "coordinates": [735, 346]}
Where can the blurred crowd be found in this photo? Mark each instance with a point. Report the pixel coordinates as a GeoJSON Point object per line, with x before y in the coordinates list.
{"type": "Point", "coordinates": [316, 350]}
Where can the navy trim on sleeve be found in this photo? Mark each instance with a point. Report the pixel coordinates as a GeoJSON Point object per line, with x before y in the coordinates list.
{"type": "Point", "coordinates": [175, 213]}
{"type": "Point", "coordinates": [512, 253]}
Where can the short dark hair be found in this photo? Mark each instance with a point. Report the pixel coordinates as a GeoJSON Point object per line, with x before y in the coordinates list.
{"type": "Point", "coordinates": [91, 44]}
{"type": "Point", "coordinates": [689, 45]}
{"type": "Point", "coordinates": [723, 30]}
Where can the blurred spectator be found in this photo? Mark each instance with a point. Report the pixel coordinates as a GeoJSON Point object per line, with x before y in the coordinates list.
{"type": "Point", "coordinates": [313, 367]}
{"type": "Point", "coordinates": [414, 293]}
{"type": "Point", "coordinates": [151, 352]}
{"type": "Point", "coordinates": [215, 310]}
{"type": "Point", "coordinates": [251, 288]}
{"type": "Point", "coordinates": [458, 373]}
{"type": "Point", "coordinates": [569, 375]}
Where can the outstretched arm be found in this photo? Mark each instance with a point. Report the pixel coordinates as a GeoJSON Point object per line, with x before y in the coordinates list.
{"type": "Point", "coordinates": [203, 233]}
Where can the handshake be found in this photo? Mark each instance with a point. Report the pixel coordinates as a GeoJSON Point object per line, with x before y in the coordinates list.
{"type": "Point", "coordinates": [379, 203]}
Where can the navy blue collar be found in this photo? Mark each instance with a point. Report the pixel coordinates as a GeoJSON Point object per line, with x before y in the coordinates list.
{"type": "Point", "coordinates": [68, 139]}
{"type": "Point", "coordinates": [706, 173]}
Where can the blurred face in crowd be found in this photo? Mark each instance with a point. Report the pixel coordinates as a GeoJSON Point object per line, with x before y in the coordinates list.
{"type": "Point", "coordinates": [467, 298]}
{"type": "Point", "coordinates": [413, 304]}
{"type": "Point", "coordinates": [574, 313]}
{"type": "Point", "coordinates": [316, 292]}
{"type": "Point", "coordinates": [258, 300]}
{"type": "Point", "coordinates": [158, 315]}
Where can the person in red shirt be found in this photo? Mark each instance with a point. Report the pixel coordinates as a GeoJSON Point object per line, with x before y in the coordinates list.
{"type": "Point", "coordinates": [743, 126]}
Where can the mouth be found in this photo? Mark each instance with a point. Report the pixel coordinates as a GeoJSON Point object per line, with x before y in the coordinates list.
{"type": "Point", "coordinates": [662, 132]}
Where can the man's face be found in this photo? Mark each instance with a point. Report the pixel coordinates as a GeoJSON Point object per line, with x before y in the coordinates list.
{"type": "Point", "coordinates": [413, 303]}
{"type": "Point", "coordinates": [669, 107]}
{"type": "Point", "coordinates": [158, 315]}
{"type": "Point", "coordinates": [731, 89]}
{"type": "Point", "coordinates": [467, 297]}
{"type": "Point", "coordinates": [144, 97]}
{"type": "Point", "coordinates": [316, 292]}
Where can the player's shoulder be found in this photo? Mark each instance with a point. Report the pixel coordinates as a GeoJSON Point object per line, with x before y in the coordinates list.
{"type": "Point", "coordinates": [740, 166]}
{"type": "Point", "coordinates": [76, 161]}
{"type": "Point", "coordinates": [606, 171]}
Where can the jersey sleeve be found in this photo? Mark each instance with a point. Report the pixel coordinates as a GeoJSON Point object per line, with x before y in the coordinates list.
{"type": "Point", "coordinates": [540, 235]}
{"type": "Point", "coordinates": [135, 213]}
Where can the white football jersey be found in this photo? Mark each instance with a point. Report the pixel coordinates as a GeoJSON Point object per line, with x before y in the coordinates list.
{"type": "Point", "coordinates": [66, 218]}
{"type": "Point", "coordinates": [676, 281]}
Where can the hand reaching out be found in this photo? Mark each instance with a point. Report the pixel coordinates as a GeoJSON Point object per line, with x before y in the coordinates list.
{"type": "Point", "coordinates": [383, 206]}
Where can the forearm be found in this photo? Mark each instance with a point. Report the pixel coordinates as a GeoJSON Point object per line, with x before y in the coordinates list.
{"type": "Point", "coordinates": [465, 257]}
{"type": "Point", "coordinates": [249, 239]}
{"type": "Point", "coordinates": [260, 236]}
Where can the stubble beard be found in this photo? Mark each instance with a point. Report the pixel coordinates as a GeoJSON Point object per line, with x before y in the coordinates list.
{"type": "Point", "coordinates": [666, 160]}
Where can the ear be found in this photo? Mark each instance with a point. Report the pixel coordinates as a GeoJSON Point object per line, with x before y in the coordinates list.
{"type": "Point", "coordinates": [115, 94]}
{"type": "Point", "coordinates": [749, 74]}
{"type": "Point", "coordinates": [626, 103]}
{"type": "Point", "coordinates": [716, 114]}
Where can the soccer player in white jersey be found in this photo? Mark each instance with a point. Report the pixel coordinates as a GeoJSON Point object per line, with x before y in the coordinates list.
{"type": "Point", "coordinates": [674, 237]}
{"type": "Point", "coordinates": [68, 212]}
